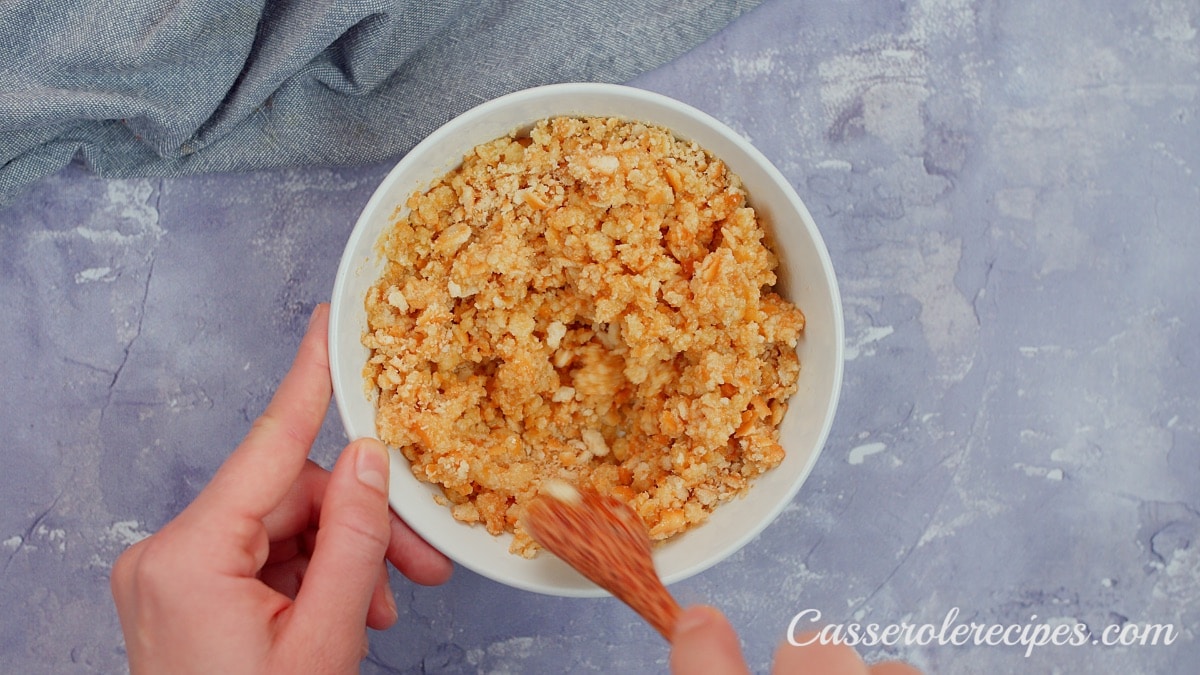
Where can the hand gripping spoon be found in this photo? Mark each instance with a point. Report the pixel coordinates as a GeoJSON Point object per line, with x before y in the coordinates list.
{"type": "Point", "coordinates": [605, 541]}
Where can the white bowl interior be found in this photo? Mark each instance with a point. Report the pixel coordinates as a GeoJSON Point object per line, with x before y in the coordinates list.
{"type": "Point", "coordinates": [806, 278]}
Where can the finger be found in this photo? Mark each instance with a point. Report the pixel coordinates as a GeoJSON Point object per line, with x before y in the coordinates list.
{"type": "Point", "coordinates": [817, 658]}
{"type": "Point", "coordinates": [704, 642]}
{"type": "Point", "coordinates": [284, 550]}
{"type": "Point", "coordinates": [351, 542]}
{"type": "Point", "coordinates": [300, 508]}
{"type": "Point", "coordinates": [261, 471]}
{"type": "Point", "coordinates": [407, 551]}
{"type": "Point", "coordinates": [286, 576]}
{"type": "Point", "coordinates": [382, 611]}
{"type": "Point", "coordinates": [292, 528]}
{"type": "Point", "coordinates": [415, 558]}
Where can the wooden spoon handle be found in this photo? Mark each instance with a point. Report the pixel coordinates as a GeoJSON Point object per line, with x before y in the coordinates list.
{"type": "Point", "coordinates": [651, 600]}
{"type": "Point", "coordinates": [604, 540]}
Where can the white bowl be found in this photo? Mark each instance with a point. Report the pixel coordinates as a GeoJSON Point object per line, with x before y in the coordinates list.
{"type": "Point", "coordinates": [806, 278]}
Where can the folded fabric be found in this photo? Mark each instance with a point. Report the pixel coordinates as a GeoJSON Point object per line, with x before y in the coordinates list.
{"type": "Point", "coordinates": [158, 88]}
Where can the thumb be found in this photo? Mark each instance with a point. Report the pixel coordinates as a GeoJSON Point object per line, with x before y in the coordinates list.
{"type": "Point", "coordinates": [352, 539]}
{"type": "Point", "coordinates": [704, 642]}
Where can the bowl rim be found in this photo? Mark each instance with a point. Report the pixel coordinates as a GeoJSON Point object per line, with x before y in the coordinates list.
{"type": "Point", "coordinates": [381, 198]}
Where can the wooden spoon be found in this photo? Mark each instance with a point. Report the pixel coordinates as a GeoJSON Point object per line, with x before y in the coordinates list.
{"type": "Point", "coordinates": [605, 540]}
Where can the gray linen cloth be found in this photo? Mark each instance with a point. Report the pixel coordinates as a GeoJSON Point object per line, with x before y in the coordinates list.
{"type": "Point", "coordinates": [159, 88]}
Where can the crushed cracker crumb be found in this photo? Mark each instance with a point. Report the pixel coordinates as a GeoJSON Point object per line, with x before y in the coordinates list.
{"type": "Point", "coordinates": [589, 302]}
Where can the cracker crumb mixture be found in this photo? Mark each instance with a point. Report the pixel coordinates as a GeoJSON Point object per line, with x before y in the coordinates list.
{"type": "Point", "coordinates": [589, 302]}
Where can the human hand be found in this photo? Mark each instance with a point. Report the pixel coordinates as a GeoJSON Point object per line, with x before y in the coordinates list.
{"type": "Point", "coordinates": [705, 643]}
{"type": "Point", "coordinates": [278, 565]}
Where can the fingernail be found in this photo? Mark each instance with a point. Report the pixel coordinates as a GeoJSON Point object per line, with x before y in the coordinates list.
{"type": "Point", "coordinates": [372, 465]}
{"type": "Point", "coordinates": [694, 618]}
{"type": "Point", "coordinates": [391, 603]}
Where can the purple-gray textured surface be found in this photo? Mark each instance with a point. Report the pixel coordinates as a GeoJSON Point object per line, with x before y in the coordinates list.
{"type": "Point", "coordinates": [1008, 192]}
